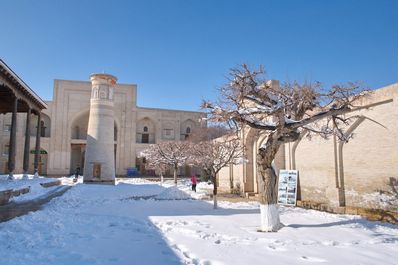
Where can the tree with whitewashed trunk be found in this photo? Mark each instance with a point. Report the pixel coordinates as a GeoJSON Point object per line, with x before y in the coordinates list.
{"type": "Point", "coordinates": [214, 154]}
{"type": "Point", "coordinates": [285, 113]}
{"type": "Point", "coordinates": [173, 154]}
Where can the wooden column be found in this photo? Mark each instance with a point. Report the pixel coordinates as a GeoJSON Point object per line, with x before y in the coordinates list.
{"type": "Point", "coordinates": [27, 146]}
{"type": "Point", "coordinates": [37, 149]}
{"type": "Point", "coordinates": [13, 140]}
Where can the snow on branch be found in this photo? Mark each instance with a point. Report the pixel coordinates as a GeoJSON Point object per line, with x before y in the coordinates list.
{"type": "Point", "coordinates": [169, 153]}
{"type": "Point", "coordinates": [214, 154]}
{"type": "Point", "coordinates": [288, 109]}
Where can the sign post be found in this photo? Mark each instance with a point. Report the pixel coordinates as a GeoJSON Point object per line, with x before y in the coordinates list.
{"type": "Point", "coordinates": [287, 187]}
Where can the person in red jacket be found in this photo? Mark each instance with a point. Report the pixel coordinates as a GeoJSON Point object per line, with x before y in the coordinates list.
{"type": "Point", "coordinates": [193, 180]}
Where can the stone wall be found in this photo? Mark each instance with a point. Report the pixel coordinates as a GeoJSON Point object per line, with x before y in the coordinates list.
{"type": "Point", "coordinates": [360, 173]}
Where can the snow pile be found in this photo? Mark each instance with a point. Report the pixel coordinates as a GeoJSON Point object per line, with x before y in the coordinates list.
{"type": "Point", "coordinates": [172, 193]}
{"type": "Point", "coordinates": [36, 190]}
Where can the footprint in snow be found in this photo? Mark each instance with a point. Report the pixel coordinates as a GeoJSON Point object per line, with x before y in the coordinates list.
{"type": "Point", "coordinates": [188, 257]}
{"type": "Point", "coordinates": [330, 243]}
{"type": "Point", "coordinates": [276, 248]}
{"type": "Point", "coordinates": [312, 259]}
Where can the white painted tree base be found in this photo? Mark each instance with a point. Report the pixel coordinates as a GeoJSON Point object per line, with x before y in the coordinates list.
{"type": "Point", "coordinates": [269, 218]}
{"type": "Point", "coordinates": [215, 202]}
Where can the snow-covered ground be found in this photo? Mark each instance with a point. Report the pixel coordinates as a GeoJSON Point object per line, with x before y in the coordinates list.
{"type": "Point", "coordinates": [137, 222]}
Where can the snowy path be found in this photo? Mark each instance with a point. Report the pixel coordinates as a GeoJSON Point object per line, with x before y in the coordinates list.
{"type": "Point", "coordinates": [94, 224]}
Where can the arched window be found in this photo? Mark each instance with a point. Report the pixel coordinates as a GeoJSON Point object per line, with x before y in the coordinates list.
{"type": "Point", "coordinates": [145, 131]}
{"type": "Point", "coordinates": [186, 128]}
{"type": "Point", "coordinates": [145, 136]}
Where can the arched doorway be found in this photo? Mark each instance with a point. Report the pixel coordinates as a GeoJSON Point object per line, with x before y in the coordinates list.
{"type": "Point", "coordinates": [250, 167]}
{"type": "Point", "coordinates": [78, 135]}
{"type": "Point", "coordinates": [45, 125]}
{"type": "Point", "coordinates": [253, 141]}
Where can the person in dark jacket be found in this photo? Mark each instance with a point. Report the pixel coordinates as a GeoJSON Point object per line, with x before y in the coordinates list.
{"type": "Point", "coordinates": [77, 172]}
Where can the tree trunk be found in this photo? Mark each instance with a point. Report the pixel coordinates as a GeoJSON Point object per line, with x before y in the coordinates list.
{"type": "Point", "coordinates": [214, 180]}
{"type": "Point", "coordinates": [231, 179]}
{"type": "Point", "coordinates": [175, 174]}
{"type": "Point", "coordinates": [268, 191]}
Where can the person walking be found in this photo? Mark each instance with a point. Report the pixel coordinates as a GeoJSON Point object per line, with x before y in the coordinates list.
{"type": "Point", "coordinates": [193, 180]}
{"type": "Point", "coordinates": [77, 172]}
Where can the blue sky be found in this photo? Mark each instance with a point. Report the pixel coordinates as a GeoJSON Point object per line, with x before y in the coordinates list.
{"type": "Point", "coordinates": [179, 52]}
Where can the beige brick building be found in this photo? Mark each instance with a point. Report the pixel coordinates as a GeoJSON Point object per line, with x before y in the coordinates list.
{"type": "Point", "coordinates": [360, 173]}
{"type": "Point", "coordinates": [64, 129]}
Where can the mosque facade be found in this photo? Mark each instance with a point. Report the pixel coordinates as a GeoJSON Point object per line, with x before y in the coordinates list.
{"type": "Point", "coordinates": [65, 121]}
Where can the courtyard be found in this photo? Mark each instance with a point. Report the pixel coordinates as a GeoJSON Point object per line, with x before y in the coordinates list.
{"type": "Point", "coordinates": [142, 222]}
{"type": "Point", "coordinates": [206, 132]}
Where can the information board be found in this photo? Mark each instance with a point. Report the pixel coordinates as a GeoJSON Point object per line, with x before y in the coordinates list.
{"type": "Point", "coordinates": [287, 187]}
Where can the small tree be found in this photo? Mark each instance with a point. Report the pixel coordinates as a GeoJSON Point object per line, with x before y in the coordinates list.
{"type": "Point", "coordinates": [157, 165]}
{"type": "Point", "coordinates": [173, 154]}
{"type": "Point", "coordinates": [285, 113]}
{"type": "Point", "coordinates": [214, 154]}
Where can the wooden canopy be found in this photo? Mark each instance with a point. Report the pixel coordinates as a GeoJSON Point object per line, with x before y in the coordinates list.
{"type": "Point", "coordinates": [12, 86]}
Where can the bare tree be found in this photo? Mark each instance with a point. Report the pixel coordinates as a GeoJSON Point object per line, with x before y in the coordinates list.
{"type": "Point", "coordinates": [173, 154]}
{"type": "Point", "coordinates": [214, 154]}
{"type": "Point", "coordinates": [285, 113]}
{"type": "Point", "coordinates": [155, 164]}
